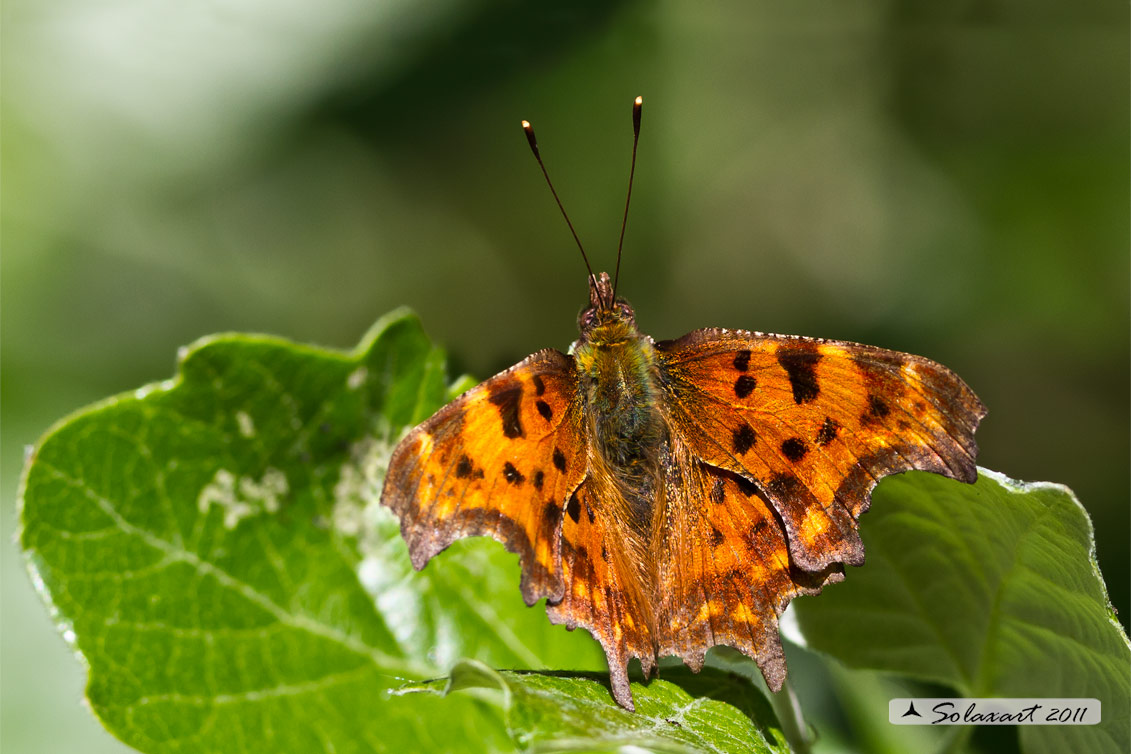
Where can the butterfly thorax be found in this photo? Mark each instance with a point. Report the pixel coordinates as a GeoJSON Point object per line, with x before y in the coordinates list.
{"type": "Point", "coordinates": [616, 380]}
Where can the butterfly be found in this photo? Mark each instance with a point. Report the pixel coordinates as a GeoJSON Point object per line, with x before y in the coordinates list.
{"type": "Point", "coordinates": [675, 495]}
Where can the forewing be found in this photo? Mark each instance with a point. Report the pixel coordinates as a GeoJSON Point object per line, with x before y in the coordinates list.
{"type": "Point", "coordinates": [816, 424]}
{"type": "Point", "coordinates": [500, 461]}
{"type": "Point", "coordinates": [724, 571]}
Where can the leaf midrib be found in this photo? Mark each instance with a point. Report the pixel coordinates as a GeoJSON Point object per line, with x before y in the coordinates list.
{"type": "Point", "coordinates": [989, 645]}
{"type": "Point", "coordinates": [385, 663]}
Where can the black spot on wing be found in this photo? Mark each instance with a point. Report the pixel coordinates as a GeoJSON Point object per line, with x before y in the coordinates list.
{"type": "Point", "coordinates": [784, 485]}
{"type": "Point", "coordinates": [551, 514]}
{"type": "Point", "coordinates": [463, 467]}
{"type": "Point", "coordinates": [512, 475]}
{"type": "Point", "coordinates": [559, 461]}
{"type": "Point", "coordinates": [744, 438]}
{"type": "Point", "coordinates": [800, 365]}
{"type": "Point", "coordinates": [794, 449]}
{"type": "Point", "coordinates": [537, 479]}
{"type": "Point", "coordinates": [827, 432]}
{"type": "Point", "coordinates": [744, 385]}
{"type": "Point", "coordinates": [545, 410]}
{"type": "Point", "coordinates": [717, 537]}
{"type": "Point", "coordinates": [877, 410]}
{"type": "Point", "coordinates": [718, 492]}
{"type": "Point", "coordinates": [745, 486]}
{"type": "Point", "coordinates": [507, 399]}
{"type": "Point", "coordinates": [742, 361]}
{"type": "Point", "coordinates": [539, 385]}
{"type": "Point", "coordinates": [574, 509]}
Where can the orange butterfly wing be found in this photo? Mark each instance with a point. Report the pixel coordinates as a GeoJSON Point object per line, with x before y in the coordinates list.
{"type": "Point", "coordinates": [724, 573]}
{"type": "Point", "coordinates": [603, 592]}
{"type": "Point", "coordinates": [500, 461]}
{"type": "Point", "coordinates": [816, 424]}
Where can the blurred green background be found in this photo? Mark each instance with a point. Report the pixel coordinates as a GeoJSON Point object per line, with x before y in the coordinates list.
{"type": "Point", "coordinates": [947, 178]}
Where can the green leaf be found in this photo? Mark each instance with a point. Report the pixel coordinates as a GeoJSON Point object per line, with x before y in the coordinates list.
{"type": "Point", "coordinates": [711, 711]}
{"type": "Point", "coordinates": [992, 589]}
{"type": "Point", "coordinates": [200, 542]}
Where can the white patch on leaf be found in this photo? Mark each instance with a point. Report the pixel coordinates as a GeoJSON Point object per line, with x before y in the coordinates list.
{"type": "Point", "coordinates": [384, 571]}
{"type": "Point", "coordinates": [357, 378]}
{"type": "Point", "coordinates": [369, 574]}
{"type": "Point", "coordinates": [357, 493]}
{"type": "Point", "coordinates": [362, 476]}
{"type": "Point", "coordinates": [243, 496]}
{"type": "Point", "coordinates": [246, 425]}
{"type": "Point", "coordinates": [359, 483]}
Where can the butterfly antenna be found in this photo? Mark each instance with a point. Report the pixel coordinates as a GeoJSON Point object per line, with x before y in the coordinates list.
{"type": "Point", "coordinates": [637, 106]}
{"type": "Point", "coordinates": [534, 148]}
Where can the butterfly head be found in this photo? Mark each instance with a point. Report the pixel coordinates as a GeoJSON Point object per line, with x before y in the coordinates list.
{"type": "Point", "coordinates": [607, 319]}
